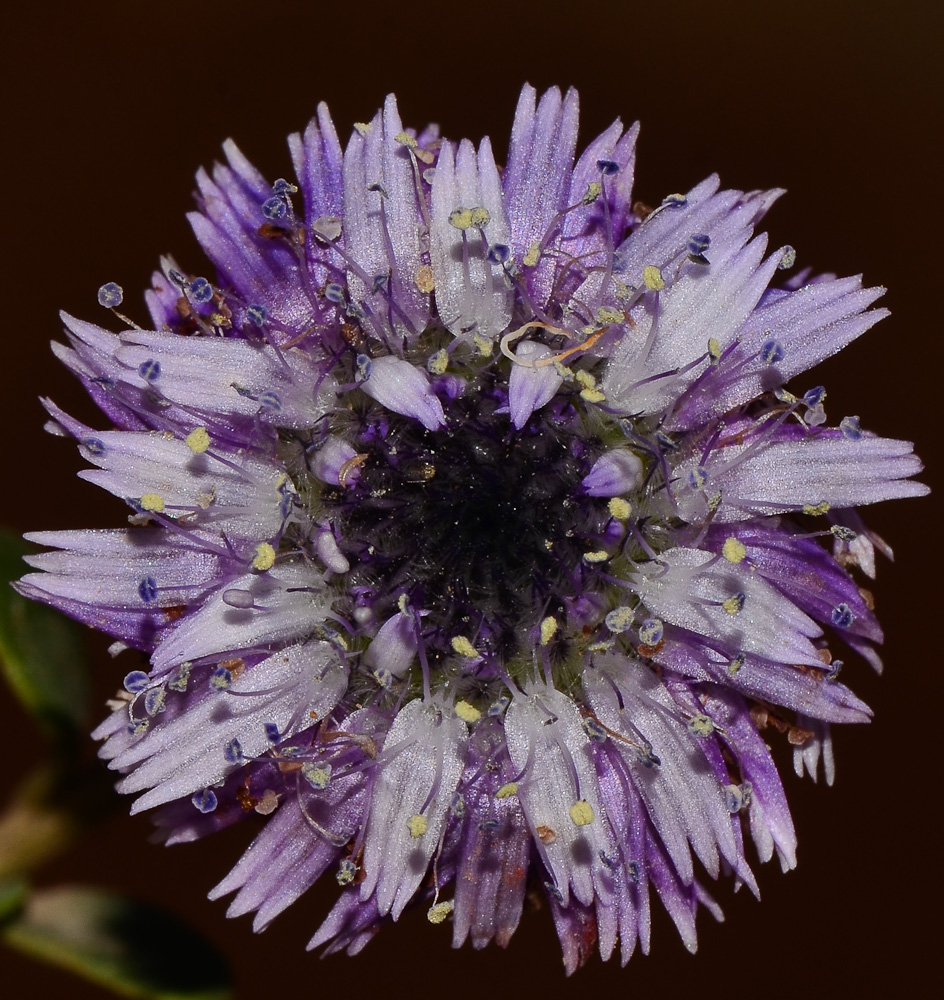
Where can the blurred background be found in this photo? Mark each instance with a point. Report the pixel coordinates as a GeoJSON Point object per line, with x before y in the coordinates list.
{"type": "Point", "coordinates": [111, 106]}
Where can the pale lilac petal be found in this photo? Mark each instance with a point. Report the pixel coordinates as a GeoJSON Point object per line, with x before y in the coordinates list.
{"type": "Point", "coordinates": [400, 387]}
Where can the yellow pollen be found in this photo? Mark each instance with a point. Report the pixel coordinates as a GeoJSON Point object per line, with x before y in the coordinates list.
{"type": "Point", "coordinates": [714, 350]}
{"type": "Point", "coordinates": [701, 725]}
{"type": "Point", "coordinates": [734, 550]}
{"type": "Point", "coordinates": [619, 508]}
{"type": "Point", "coordinates": [816, 510]}
{"type": "Point", "coordinates": [152, 502]}
{"type": "Point", "coordinates": [363, 128]}
{"type": "Point", "coordinates": [607, 316]}
{"type": "Point", "coordinates": [581, 813]}
{"type": "Point", "coordinates": [424, 278]}
{"type": "Point", "coordinates": [652, 277]}
{"type": "Point", "coordinates": [439, 362]}
{"type": "Point", "coordinates": [405, 139]}
{"type": "Point", "coordinates": [466, 712]}
{"type": "Point", "coordinates": [483, 344]}
{"type": "Point", "coordinates": [533, 255]}
{"type": "Point", "coordinates": [592, 395]}
{"type": "Point", "coordinates": [596, 557]}
{"type": "Point", "coordinates": [733, 605]}
{"type": "Point", "coordinates": [417, 826]}
{"type": "Point", "coordinates": [465, 648]}
{"type": "Point", "coordinates": [460, 218]}
{"type": "Point", "coordinates": [198, 440]}
{"type": "Point", "coordinates": [585, 379]}
{"type": "Point", "coordinates": [437, 913]}
{"type": "Point", "coordinates": [548, 630]}
{"type": "Point", "coordinates": [264, 558]}
{"type": "Point", "coordinates": [506, 791]}
{"type": "Point", "coordinates": [480, 216]}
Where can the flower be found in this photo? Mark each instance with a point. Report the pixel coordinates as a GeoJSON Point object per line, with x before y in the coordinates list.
{"type": "Point", "coordinates": [476, 541]}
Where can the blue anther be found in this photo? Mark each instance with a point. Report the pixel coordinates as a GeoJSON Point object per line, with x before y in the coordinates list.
{"type": "Point", "coordinates": [257, 315]}
{"type": "Point", "coordinates": [205, 801]}
{"type": "Point", "coordinates": [814, 397]}
{"type": "Point", "coordinates": [335, 293]}
{"type": "Point", "coordinates": [270, 400]}
{"type": "Point", "coordinates": [150, 370]}
{"type": "Point", "coordinates": [110, 295]}
{"type": "Point", "coordinates": [93, 446]}
{"type": "Point", "coordinates": [233, 752]}
{"type": "Point", "coordinates": [201, 290]}
{"type": "Point", "coordinates": [147, 590]}
{"type": "Point", "coordinates": [272, 732]}
{"type": "Point", "coordinates": [651, 632]}
{"type": "Point", "coordinates": [771, 352]}
{"type": "Point", "coordinates": [221, 679]}
{"type": "Point", "coordinates": [498, 253]}
{"type": "Point", "coordinates": [136, 681]}
{"type": "Point", "coordinates": [850, 428]}
{"type": "Point", "coordinates": [274, 208]}
{"type": "Point", "coordinates": [608, 167]}
{"type": "Point", "coordinates": [282, 187]}
{"type": "Point", "coordinates": [698, 243]}
{"type": "Point", "coordinates": [842, 616]}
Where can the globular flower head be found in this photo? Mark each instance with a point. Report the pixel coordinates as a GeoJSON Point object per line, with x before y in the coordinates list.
{"type": "Point", "coordinates": [476, 540]}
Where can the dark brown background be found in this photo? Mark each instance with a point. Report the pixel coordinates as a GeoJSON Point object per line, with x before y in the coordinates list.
{"type": "Point", "coordinates": [111, 106]}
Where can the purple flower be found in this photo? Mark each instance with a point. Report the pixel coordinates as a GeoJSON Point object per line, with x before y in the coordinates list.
{"type": "Point", "coordinates": [475, 539]}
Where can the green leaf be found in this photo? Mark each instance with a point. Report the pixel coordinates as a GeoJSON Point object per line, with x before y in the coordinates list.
{"type": "Point", "coordinates": [42, 653]}
{"type": "Point", "coordinates": [132, 948]}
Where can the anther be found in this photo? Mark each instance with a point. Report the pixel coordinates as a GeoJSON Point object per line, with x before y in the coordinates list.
{"type": "Point", "coordinates": [417, 825]}
{"type": "Point", "coordinates": [110, 295]}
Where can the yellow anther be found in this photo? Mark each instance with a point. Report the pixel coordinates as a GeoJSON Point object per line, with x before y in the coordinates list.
{"type": "Point", "coordinates": [623, 291]}
{"type": "Point", "coordinates": [533, 255]}
{"type": "Point", "coordinates": [714, 350]}
{"type": "Point", "coordinates": [733, 605]}
{"type": "Point", "coordinates": [198, 440]}
{"type": "Point", "coordinates": [480, 216]}
{"type": "Point", "coordinates": [607, 316]}
{"type": "Point", "coordinates": [548, 629]}
{"type": "Point", "coordinates": [507, 790]}
{"type": "Point", "coordinates": [652, 277]}
{"type": "Point", "coordinates": [403, 603]}
{"type": "Point", "coordinates": [734, 550]}
{"type": "Point", "coordinates": [585, 379]}
{"type": "Point", "coordinates": [437, 913]}
{"type": "Point", "coordinates": [424, 278]}
{"type": "Point", "coordinates": [814, 510]}
{"type": "Point", "coordinates": [264, 559]}
{"type": "Point", "coordinates": [363, 128]}
{"type": "Point", "coordinates": [581, 813]}
{"type": "Point", "coordinates": [620, 619]}
{"type": "Point", "coordinates": [152, 502]}
{"type": "Point", "coordinates": [460, 218]}
{"type": "Point", "coordinates": [701, 725]}
{"type": "Point", "coordinates": [484, 346]}
{"type": "Point", "coordinates": [405, 139]}
{"type": "Point", "coordinates": [205, 498]}
{"type": "Point", "coordinates": [592, 193]}
{"type": "Point", "coordinates": [596, 557]}
{"type": "Point", "coordinates": [466, 712]}
{"type": "Point", "coordinates": [317, 777]}
{"type": "Point", "coordinates": [463, 647]}
{"type": "Point", "coordinates": [592, 395]}
{"type": "Point", "coordinates": [619, 508]}
{"type": "Point", "coordinates": [734, 667]}
{"type": "Point", "coordinates": [417, 826]}
{"type": "Point", "coordinates": [439, 362]}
